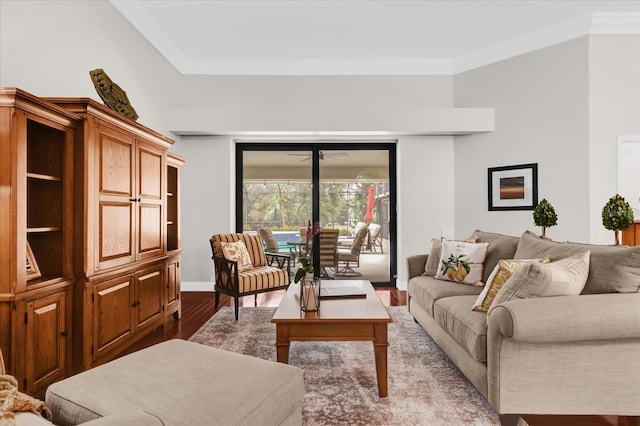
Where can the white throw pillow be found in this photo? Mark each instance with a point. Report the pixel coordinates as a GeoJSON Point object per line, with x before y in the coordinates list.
{"type": "Point", "coordinates": [462, 262]}
{"type": "Point", "coordinates": [237, 252]}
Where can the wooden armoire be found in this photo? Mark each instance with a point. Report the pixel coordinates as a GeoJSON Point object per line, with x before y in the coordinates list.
{"type": "Point", "coordinates": [97, 197]}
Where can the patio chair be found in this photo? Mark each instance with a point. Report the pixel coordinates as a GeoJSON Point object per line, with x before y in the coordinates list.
{"type": "Point", "coordinates": [270, 245]}
{"type": "Point", "coordinates": [352, 256]}
{"type": "Point", "coordinates": [243, 277]}
{"type": "Point", "coordinates": [375, 237]}
{"type": "Point", "coordinates": [347, 240]}
{"type": "Point", "coordinates": [328, 251]}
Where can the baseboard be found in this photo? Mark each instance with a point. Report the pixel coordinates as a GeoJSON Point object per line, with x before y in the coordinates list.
{"type": "Point", "coordinates": [196, 286]}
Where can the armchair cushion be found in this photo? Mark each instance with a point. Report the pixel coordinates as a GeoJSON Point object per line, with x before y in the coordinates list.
{"type": "Point", "coordinates": [251, 241]}
{"type": "Point", "coordinates": [237, 252]}
{"type": "Point", "coordinates": [262, 278]}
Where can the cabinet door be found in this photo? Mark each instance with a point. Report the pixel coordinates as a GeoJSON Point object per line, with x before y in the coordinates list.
{"type": "Point", "coordinates": [150, 201]}
{"type": "Point", "coordinates": [46, 332]}
{"type": "Point", "coordinates": [116, 200]}
{"type": "Point", "coordinates": [173, 287]}
{"type": "Point", "coordinates": [149, 287]}
{"type": "Point", "coordinates": [112, 314]}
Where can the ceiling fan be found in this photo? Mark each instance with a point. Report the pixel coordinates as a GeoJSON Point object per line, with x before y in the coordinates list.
{"type": "Point", "coordinates": [323, 155]}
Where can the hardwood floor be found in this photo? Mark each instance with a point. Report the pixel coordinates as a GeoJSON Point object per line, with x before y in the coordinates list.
{"type": "Point", "coordinates": [197, 308]}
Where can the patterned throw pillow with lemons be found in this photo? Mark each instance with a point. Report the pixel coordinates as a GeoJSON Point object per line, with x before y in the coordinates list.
{"type": "Point", "coordinates": [462, 262]}
{"type": "Point", "coordinates": [237, 252]}
{"type": "Point", "coordinates": [499, 276]}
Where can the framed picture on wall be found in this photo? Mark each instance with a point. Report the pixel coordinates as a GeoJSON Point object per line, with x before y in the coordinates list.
{"type": "Point", "coordinates": [32, 267]}
{"type": "Point", "coordinates": [513, 187]}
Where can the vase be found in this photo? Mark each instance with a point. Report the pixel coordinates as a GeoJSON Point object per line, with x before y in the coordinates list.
{"type": "Point", "coordinates": [310, 293]}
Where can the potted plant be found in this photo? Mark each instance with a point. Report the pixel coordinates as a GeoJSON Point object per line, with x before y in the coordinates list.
{"type": "Point", "coordinates": [545, 215]}
{"type": "Point", "coordinates": [617, 215]}
{"type": "Point", "coordinates": [306, 267]}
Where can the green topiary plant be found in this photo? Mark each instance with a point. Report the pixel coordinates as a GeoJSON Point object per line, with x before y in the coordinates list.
{"type": "Point", "coordinates": [617, 215]}
{"type": "Point", "coordinates": [545, 215]}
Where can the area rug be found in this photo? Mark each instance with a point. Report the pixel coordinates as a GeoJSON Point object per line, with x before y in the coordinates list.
{"type": "Point", "coordinates": [425, 388]}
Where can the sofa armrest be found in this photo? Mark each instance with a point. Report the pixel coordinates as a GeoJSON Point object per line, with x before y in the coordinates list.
{"type": "Point", "coordinates": [415, 265]}
{"type": "Point", "coordinates": [569, 318]}
{"type": "Point", "coordinates": [565, 355]}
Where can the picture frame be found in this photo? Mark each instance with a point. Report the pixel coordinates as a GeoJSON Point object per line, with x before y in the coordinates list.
{"type": "Point", "coordinates": [513, 187]}
{"type": "Point", "coordinates": [32, 266]}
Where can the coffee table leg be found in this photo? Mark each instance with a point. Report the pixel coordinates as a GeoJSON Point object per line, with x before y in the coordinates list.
{"type": "Point", "coordinates": [380, 344]}
{"type": "Point", "coordinates": [282, 343]}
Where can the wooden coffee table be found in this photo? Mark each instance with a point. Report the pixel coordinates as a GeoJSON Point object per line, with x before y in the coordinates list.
{"type": "Point", "coordinates": [358, 319]}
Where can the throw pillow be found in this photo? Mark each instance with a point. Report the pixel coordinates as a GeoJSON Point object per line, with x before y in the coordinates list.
{"type": "Point", "coordinates": [566, 277]}
{"type": "Point", "coordinates": [500, 247]}
{"type": "Point", "coordinates": [462, 262]}
{"type": "Point", "coordinates": [433, 260]}
{"type": "Point", "coordinates": [237, 252]}
{"type": "Point", "coordinates": [499, 276]}
{"type": "Point", "coordinates": [612, 269]}
{"type": "Point", "coordinates": [431, 268]}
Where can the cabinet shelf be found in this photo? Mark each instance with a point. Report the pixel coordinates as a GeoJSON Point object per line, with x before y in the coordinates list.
{"type": "Point", "coordinates": [43, 229]}
{"type": "Point", "coordinates": [44, 177]}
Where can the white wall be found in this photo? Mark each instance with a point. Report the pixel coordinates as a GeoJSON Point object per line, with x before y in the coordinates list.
{"type": "Point", "coordinates": [614, 109]}
{"type": "Point", "coordinates": [563, 108]}
{"type": "Point", "coordinates": [207, 200]}
{"type": "Point", "coordinates": [541, 102]}
{"type": "Point", "coordinates": [48, 48]}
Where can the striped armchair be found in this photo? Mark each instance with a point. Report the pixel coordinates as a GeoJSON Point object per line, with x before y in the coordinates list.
{"type": "Point", "coordinates": [260, 278]}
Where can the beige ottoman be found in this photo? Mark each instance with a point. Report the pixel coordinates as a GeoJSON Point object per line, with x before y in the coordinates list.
{"type": "Point", "coordinates": [183, 383]}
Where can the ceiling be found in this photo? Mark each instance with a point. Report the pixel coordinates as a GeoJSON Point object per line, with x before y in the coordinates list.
{"type": "Point", "coordinates": [335, 37]}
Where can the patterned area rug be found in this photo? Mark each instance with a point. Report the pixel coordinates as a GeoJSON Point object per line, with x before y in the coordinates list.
{"type": "Point", "coordinates": [425, 388]}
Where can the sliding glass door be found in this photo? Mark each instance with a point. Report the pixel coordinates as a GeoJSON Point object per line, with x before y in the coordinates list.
{"type": "Point", "coordinates": [344, 187]}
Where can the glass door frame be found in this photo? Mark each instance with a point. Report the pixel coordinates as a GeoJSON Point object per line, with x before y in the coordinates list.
{"type": "Point", "coordinates": [314, 147]}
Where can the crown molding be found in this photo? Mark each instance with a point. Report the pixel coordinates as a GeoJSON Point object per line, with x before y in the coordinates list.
{"type": "Point", "coordinates": [319, 67]}
{"type": "Point", "coordinates": [615, 23]}
{"type": "Point", "coordinates": [594, 23]}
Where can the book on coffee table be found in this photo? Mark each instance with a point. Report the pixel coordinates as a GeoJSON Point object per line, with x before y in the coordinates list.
{"type": "Point", "coordinates": [344, 292]}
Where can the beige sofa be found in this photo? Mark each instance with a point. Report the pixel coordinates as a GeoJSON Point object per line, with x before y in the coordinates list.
{"type": "Point", "coordinates": [547, 355]}
{"type": "Point", "coordinates": [178, 383]}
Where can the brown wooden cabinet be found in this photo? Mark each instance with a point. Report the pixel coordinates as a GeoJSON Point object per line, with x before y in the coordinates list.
{"type": "Point", "coordinates": [121, 256]}
{"type": "Point", "coordinates": [36, 238]}
{"type": "Point", "coordinates": [631, 235]}
{"type": "Point", "coordinates": [89, 235]}
{"type": "Point", "coordinates": [174, 166]}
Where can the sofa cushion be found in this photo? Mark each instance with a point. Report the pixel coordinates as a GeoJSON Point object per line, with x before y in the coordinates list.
{"type": "Point", "coordinates": [128, 418]}
{"type": "Point", "coordinates": [431, 267]}
{"type": "Point", "coordinates": [426, 290]}
{"type": "Point", "coordinates": [462, 262]}
{"type": "Point", "coordinates": [566, 277]}
{"type": "Point", "coordinates": [27, 419]}
{"type": "Point", "coordinates": [467, 327]}
{"type": "Point", "coordinates": [182, 383]}
{"type": "Point", "coordinates": [500, 247]}
{"type": "Point", "coordinates": [612, 269]}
